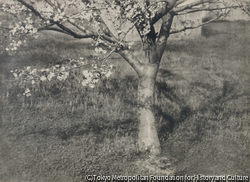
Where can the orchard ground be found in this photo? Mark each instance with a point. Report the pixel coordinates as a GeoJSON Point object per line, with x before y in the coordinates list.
{"type": "Point", "coordinates": [66, 131]}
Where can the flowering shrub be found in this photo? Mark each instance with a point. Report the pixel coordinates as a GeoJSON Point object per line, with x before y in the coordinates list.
{"type": "Point", "coordinates": [82, 72]}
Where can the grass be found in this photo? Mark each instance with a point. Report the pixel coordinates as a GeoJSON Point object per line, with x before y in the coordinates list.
{"type": "Point", "coordinates": [66, 132]}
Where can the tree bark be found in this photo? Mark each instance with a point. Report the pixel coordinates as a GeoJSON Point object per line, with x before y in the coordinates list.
{"type": "Point", "coordinates": [148, 137]}
{"type": "Point", "coordinates": [146, 69]}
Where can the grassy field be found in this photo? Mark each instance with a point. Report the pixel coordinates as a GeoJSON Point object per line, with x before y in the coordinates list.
{"type": "Point", "coordinates": [64, 132]}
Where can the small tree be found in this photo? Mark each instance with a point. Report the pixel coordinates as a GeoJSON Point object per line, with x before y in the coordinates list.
{"type": "Point", "coordinates": [108, 22]}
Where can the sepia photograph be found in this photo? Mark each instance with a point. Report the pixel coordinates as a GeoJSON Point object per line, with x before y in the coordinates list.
{"type": "Point", "coordinates": [124, 90]}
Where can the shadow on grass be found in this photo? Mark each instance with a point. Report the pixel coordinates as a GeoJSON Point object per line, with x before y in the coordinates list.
{"type": "Point", "coordinates": [211, 133]}
{"type": "Point", "coordinates": [167, 120]}
{"type": "Point", "coordinates": [112, 111]}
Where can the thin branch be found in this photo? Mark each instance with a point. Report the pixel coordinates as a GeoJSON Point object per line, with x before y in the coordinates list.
{"type": "Point", "coordinates": [109, 54]}
{"type": "Point", "coordinates": [107, 45]}
{"type": "Point", "coordinates": [179, 2]}
{"type": "Point", "coordinates": [205, 9]}
{"type": "Point", "coordinates": [74, 34]}
{"type": "Point", "coordinates": [108, 38]}
{"type": "Point", "coordinates": [127, 55]}
{"type": "Point", "coordinates": [52, 5]}
{"type": "Point", "coordinates": [194, 27]}
{"type": "Point", "coordinates": [108, 2]}
{"type": "Point", "coordinates": [32, 9]}
{"type": "Point", "coordinates": [247, 11]}
{"type": "Point", "coordinates": [107, 34]}
{"type": "Point", "coordinates": [104, 25]}
{"type": "Point", "coordinates": [190, 5]}
{"type": "Point", "coordinates": [69, 31]}
{"type": "Point", "coordinates": [77, 26]}
{"type": "Point", "coordinates": [103, 59]}
{"type": "Point", "coordinates": [52, 29]}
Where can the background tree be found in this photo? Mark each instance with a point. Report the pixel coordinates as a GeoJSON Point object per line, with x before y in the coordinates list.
{"type": "Point", "coordinates": [108, 24]}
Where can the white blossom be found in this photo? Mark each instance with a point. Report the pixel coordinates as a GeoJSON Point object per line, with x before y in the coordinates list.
{"type": "Point", "coordinates": [62, 68]}
{"type": "Point", "coordinates": [28, 94]}
{"type": "Point", "coordinates": [87, 74]}
{"type": "Point", "coordinates": [27, 90]}
{"type": "Point", "coordinates": [15, 75]}
{"type": "Point", "coordinates": [92, 85]}
{"type": "Point", "coordinates": [84, 83]}
{"type": "Point", "coordinates": [33, 72]}
{"type": "Point", "coordinates": [43, 78]}
{"type": "Point", "coordinates": [108, 74]}
{"type": "Point", "coordinates": [50, 76]}
{"type": "Point", "coordinates": [95, 81]}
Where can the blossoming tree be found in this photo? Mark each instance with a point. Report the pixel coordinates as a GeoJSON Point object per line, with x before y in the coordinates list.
{"type": "Point", "coordinates": [108, 22]}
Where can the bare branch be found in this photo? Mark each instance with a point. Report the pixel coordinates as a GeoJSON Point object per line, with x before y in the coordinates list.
{"type": "Point", "coordinates": [132, 60]}
{"type": "Point", "coordinates": [103, 25]}
{"type": "Point", "coordinates": [52, 5]}
{"type": "Point", "coordinates": [246, 11]}
{"type": "Point", "coordinates": [164, 34]}
{"type": "Point", "coordinates": [74, 34]}
{"type": "Point", "coordinates": [78, 27]}
{"type": "Point", "coordinates": [194, 10]}
{"type": "Point", "coordinates": [245, 8]}
{"type": "Point", "coordinates": [179, 2]}
{"type": "Point", "coordinates": [194, 27]}
{"type": "Point", "coordinates": [104, 36]}
{"type": "Point", "coordinates": [52, 29]}
{"type": "Point", "coordinates": [190, 5]}
{"type": "Point", "coordinates": [103, 59]}
{"type": "Point", "coordinates": [106, 33]}
{"type": "Point", "coordinates": [108, 38]}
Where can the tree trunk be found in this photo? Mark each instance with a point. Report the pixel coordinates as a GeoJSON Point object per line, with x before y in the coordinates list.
{"type": "Point", "coordinates": [148, 137]}
{"type": "Point", "coordinates": [147, 69]}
